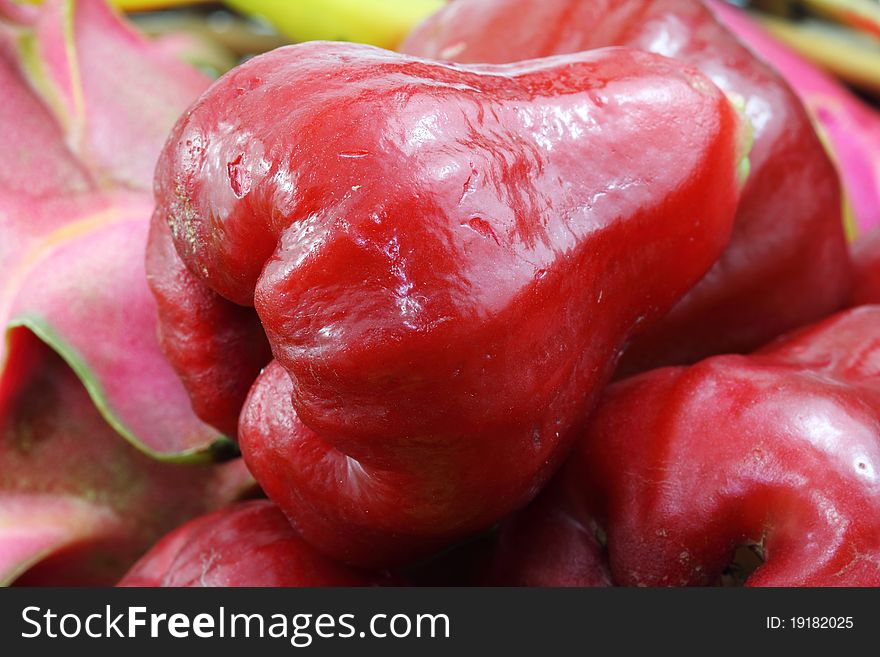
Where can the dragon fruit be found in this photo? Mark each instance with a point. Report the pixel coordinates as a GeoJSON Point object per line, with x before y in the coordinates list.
{"type": "Point", "coordinates": [100, 452]}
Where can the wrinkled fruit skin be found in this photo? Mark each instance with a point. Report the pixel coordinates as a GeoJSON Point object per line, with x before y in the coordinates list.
{"type": "Point", "coordinates": [788, 236]}
{"type": "Point", "coordinates": [443, 281]}
{"type": "Point", "coordinates": [249, 544]}
{"type": "Point", "coordinates": [866, 254]}
{"type": "Point", "coordinates": [779, 450]}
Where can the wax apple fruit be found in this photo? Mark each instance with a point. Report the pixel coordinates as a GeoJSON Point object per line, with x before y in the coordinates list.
{"type": "Point", "coordinates": [681, 469]}
{"type": "Point", "coordinates": [850, 126]}
{"type": "Point", "coordinates": [547, 544]}
{"type": "Point", "coordinates": [866, 254]}
{"type": "Point", "coordinates": [787, 263]}
{"type": "Point", "coordinates": [446, 261]}
{"type": "Point", "coordinates": [218, 348]}
{"type": "Point", "coordinates": [250, 544]}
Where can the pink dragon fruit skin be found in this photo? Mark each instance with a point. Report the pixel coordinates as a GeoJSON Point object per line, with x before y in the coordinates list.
{"type": "Point", "coordinates": [100, 451]}
{"type": "Point", "coordinates": [78, 504]}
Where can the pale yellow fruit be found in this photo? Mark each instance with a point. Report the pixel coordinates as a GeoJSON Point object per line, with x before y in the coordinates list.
{"type": "Point", "coordinates": [382, 23]}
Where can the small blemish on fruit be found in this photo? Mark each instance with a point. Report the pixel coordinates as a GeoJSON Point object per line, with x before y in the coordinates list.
{"type": "Point", "coordinates": [239, 177]}
{"type": "Point", "coordinates": [482, 228]}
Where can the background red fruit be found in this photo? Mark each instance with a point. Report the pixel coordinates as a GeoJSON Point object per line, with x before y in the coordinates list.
{"type": "Point", "coordinates": [866, 254]}
{"type": "Point", "coordinates": [250, 544]}
{"type": "Point", "coordinates": [686, 468]}
{"type": "Point", "coordinates": [850, 126]}
{"type": "Point", "coordinates": [788, 237]}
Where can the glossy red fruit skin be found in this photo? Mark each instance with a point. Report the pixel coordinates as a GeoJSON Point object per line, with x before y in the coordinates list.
{"type": "Point", "coordinates": [445, 285]}
{"type": "Point", "coordinates": [788, 237]}
{"type": "Point", "coordinates": [249, 544]}
{"type": "Point", "coordinates": [866, 255]}
{"type": "Point", "coordinates": [682, 465]}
